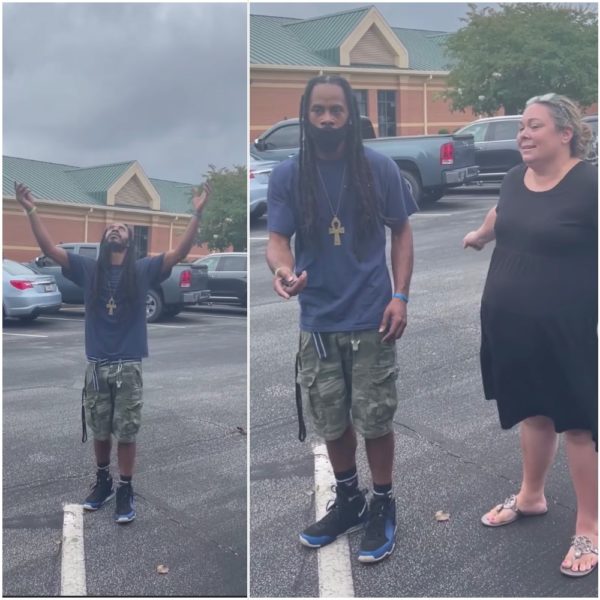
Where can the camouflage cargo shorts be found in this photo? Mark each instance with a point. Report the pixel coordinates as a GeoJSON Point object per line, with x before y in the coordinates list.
{"type": "Point", "coordinates": [113, 399]}
{"type": "Point", "coordinates": [355, 383]}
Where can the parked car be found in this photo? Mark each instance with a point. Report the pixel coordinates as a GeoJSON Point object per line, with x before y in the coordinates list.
{"type": "Point", "coordinates": [227, 276]}
{"type": "Point", "coordinates": [258, 174]}
{"type": "Point", "coordinates": [431, 164]}
{"type": "Point", "coordinates": [26, 294]}
{"type": "Point", "coordinates": [187, 284]}
{"type": "Point", "coordinates": [496, 150]}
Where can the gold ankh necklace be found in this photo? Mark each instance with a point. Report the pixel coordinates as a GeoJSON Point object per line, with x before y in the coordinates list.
{"type": "Point", "coordinates": [111, 305]}
{"type": "Point", "coordinates": [335, 229]}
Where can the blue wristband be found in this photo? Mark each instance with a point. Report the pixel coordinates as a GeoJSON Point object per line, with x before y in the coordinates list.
{"type": "Point", "coordinates": [401, 297]}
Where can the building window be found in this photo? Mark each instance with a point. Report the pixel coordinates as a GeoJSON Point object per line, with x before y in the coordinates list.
{"type": "Point", "coordinates": [361, 99]}
{"type": "Point", "coordinates": [140, 240]}
{"type": "Point", "coordinates": [386, 112]}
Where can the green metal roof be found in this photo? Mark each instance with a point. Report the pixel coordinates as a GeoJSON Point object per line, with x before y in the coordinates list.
{"type": "Point", "coordinates": [316, 42]}
{"type": "Point", "coordinates": [272, 44]}
{"type": "Point", "coordinates": [74, 185]}
{"type": "Point", "coordinates": [425, 48]}
{"type": "Point", "coordinates": [324, 35]}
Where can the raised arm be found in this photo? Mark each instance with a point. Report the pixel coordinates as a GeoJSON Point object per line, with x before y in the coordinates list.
{"type": "Point", "coordinates": [172, 257]}
{"type": "Point", "coordinates": [480, 237]}
{"type": "Point", "coordinates": [281, 262]}
{"type": "Point", "coordinates": [47, 246]}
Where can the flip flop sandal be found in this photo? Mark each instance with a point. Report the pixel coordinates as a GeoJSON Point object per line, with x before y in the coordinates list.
{"type": "Point", "coordinates": [582, 545]}
{"type": "Point", "coordinates": [510, 504]}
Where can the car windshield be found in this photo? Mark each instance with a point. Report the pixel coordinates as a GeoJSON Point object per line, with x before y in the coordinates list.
{"type": "Point", "coordinates": [15, 268]}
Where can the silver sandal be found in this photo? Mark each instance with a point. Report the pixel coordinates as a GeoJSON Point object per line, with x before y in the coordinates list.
{"type": "Point", "coordinates": [510, 504]}
{"type": "Point", "coordinates": [582, 545]}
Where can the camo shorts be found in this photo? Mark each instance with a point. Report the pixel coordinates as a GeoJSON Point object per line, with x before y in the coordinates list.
{"type": "Point", "coordinates": [355, 383]}
{"type": "Point", "coordinates": [113, 399]}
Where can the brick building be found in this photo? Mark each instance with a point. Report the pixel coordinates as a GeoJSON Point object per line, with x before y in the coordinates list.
{"type": "Point", "coordinates": [397, 73]}
{"type": "Point", "coordinates": [77, 203]}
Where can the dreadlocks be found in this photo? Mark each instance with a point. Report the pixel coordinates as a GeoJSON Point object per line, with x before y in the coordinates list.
{"type": "Point", "coordinates": [127, 282]}
{"type": "Point", "coordinates": [361, 179]}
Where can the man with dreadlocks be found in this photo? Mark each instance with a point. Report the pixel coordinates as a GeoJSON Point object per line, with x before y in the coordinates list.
{"type": "Point", "coordinates": [115, 288]}
{"type": "Point", "coordinates": [336, 197]}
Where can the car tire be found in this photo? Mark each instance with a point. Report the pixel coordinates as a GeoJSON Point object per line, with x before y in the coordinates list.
{"type": "Point", "coordinates": [26, 318]}
{"type": "Point", "coordinates": [431, 197]}
{"type": "Point", "coordinates": [414, 186]}
{"type": "Point", "coordinates": [154, 306]}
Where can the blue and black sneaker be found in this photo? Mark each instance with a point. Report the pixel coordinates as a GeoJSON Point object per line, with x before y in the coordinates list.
{"type": "Point", "coordinates": [344, 514]}
{"type": "Point", "coordinates": [102, 491]}
{"type": "Point", "coordinates": [125, 510]}
{"type": "Point", "coordinates": [380, 532]}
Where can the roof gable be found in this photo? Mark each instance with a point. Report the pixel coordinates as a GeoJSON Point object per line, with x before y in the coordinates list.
{"type": "Point", "coordinates": [359, 36]}
{"type": "Point", "coordinates": [119, 184]}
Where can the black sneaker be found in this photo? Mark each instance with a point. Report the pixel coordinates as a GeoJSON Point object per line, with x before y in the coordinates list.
{"type": "Point", "coordinates": [344, 514]}
{"type": "Point", "coordinates": [379, 538]}
{"type": "Point", "coordinates": [125, 510]}
{"type": "Point", "coordinates": [102, 491]}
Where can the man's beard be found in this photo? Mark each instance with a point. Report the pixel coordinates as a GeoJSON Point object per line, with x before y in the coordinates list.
{"type": "Point", "coordinates": [327, 139]}
{"type": "Point", "coordinates": [117, 245]}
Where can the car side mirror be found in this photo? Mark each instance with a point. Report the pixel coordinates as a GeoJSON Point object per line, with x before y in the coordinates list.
{"type": "Point", "coordinates": [260, 144]}
{"type": "Point", "coordinates": [40, 261]}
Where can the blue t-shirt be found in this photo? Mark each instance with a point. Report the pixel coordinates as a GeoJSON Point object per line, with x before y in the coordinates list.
{"type": "Point", "coordinates": [123, 334]}
{"type": "Point", "coordinates": [348, 286]}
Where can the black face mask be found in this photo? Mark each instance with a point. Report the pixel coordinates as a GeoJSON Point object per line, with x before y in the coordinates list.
{"type": "Point", "coordinates": [327, 139]}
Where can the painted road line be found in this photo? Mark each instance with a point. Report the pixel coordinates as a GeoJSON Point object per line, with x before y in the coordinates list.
{"type": "Point", "coordinates": [75, 319]}
{"type": "Point", "coordinates": [335, 571]}
{"type": "Point", "coordinates": [72, 576]}
{"type": "Point", "coordinates": [166, 326]}
{"type": "Point", "coordinates": [25, 334]}
{"type": "Point", "coordinates": [259, 238]}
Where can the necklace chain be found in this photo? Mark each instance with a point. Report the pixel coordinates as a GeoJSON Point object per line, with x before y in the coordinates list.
{"type": "Point", "coordinates": [339, 203]}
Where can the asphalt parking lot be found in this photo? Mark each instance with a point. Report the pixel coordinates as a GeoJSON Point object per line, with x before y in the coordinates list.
{"type": "Point", "coordinates": [190, 479]}
{"type": "Point", "coordinates": [451, 454]}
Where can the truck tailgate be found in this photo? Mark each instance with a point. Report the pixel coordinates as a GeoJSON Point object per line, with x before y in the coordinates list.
{"type": "Point", "coordinates": [464, 150]}
{"type": "Point", "coordinates": [199, 277]}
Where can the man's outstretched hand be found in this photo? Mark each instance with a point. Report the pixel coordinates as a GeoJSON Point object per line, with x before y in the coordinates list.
{"type": "Point", "coordinates": [201, 198]}
{"type": "Point", "coordinates": [24, 196]}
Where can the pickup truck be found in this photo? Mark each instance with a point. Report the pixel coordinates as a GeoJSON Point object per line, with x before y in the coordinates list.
{"type": "Point", "coordinates": [430, 163]}
{"type": "Point", "coordinates": [187, 284]}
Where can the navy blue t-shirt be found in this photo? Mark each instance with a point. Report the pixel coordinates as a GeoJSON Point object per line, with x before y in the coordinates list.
{"type": "Point", "coordinates": [348, 286]}
{"type": "Point", "coordinates": [123, 334]}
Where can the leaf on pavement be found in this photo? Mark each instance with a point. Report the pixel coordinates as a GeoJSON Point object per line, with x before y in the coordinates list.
{"type": "Point", "coordinates": [162, 569]}
{"type": "Point", "coordinates": [440, 515]}
{"type": "Point", "coordinates": [241, 430]}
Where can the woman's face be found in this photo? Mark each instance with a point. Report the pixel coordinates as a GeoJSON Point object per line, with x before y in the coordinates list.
{"type": "Point", "coordinates": [538, 139]}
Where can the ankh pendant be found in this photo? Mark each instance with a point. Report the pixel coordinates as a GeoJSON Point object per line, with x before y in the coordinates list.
{"type": "Point", "coordinates": [336, 230]}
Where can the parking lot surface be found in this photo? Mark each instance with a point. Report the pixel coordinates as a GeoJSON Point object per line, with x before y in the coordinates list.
{"type": "Point", "coordinates": [190, 478]}
{"type": "Point", "coordinates": [451, 454]}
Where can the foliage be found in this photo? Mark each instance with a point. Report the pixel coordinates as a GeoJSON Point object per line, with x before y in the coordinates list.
{"type": "Point", "coordinates": [224, 223]}
{"type": "Point", "coordinates": [503, 57]}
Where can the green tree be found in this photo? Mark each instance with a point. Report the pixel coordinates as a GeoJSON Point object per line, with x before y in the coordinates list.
{"type": "Point", "coordinates": [502, 57]}
{"type": "Point", "coordinates": [224, 223]}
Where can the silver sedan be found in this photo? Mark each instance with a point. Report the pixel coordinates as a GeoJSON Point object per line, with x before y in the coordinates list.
{"type": "Point", "coordinates": [25, 294]}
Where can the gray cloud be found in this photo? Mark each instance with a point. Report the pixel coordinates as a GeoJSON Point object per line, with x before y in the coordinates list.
{"type": "Point", "coordinates": [164, 84]}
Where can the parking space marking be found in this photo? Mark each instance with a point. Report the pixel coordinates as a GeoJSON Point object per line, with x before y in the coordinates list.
{"type": "Point", "coordinates": [25, 334]}
{"type": "Point", "coordinates": [166, 326]}
{"type": "Point", "coordinates": [259, 238]}
{"type": "Point", "coordinates": [335, 571]}
{"type": "Point", "coordinates": [72, 576]}
{"type": "Point", "coordinates": [75, 319]}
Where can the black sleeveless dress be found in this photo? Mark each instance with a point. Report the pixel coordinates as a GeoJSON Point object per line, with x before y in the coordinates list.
{"type": "Point", "coordinates": [539, 345]}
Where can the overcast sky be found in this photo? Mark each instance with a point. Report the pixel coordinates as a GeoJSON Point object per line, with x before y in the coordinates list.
{"type": "Point", "coordinates": [438, 16]}
{"type": "Point", "coordinates": [90, 84]}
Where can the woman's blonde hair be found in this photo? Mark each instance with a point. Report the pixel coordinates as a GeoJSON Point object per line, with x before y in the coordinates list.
{"type": "Point", "coordinates": [566, 115]}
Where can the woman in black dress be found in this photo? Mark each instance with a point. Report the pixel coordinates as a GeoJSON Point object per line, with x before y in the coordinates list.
{"type": "Point", "coordinates": [539, 353]}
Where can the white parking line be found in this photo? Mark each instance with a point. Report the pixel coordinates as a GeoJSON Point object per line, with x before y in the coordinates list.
{"type": "Point", "coordinates": [335, 572]}
{"type": "Point", "coordinates": [25, 334]}
{"type": "Point", "coordinates": [72, 576]}
{"type": "Point", "coordinates": [59, 319]}
{"type": "Point", "coordinates": [166, 326]}
{"type": "Point", "coordinates": [259, 238]}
